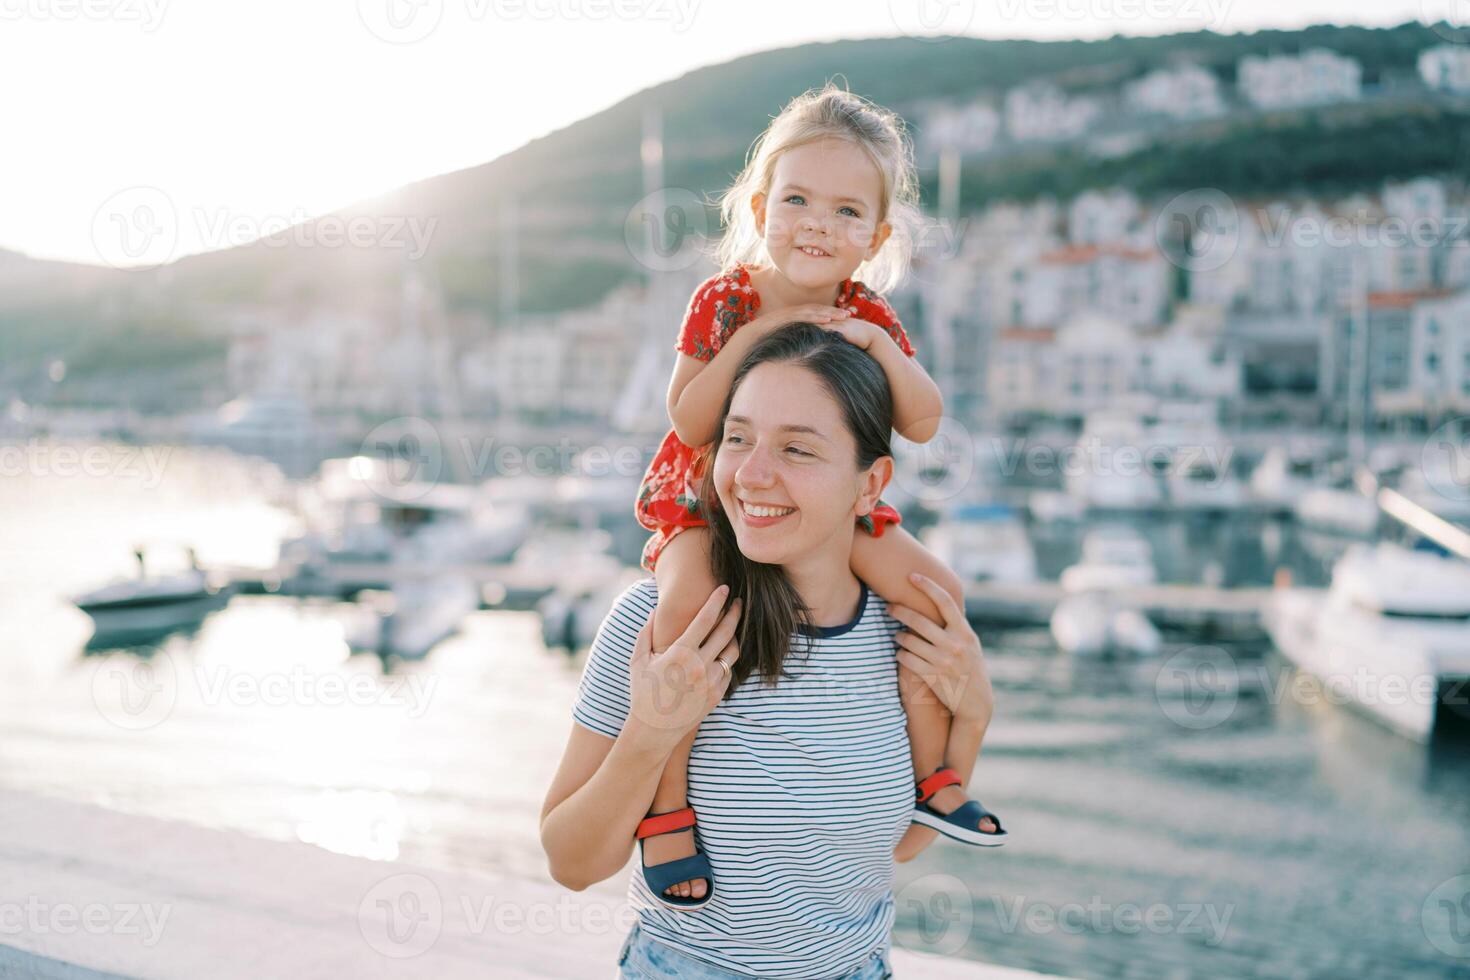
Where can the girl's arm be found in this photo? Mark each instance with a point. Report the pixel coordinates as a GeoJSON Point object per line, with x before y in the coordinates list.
{"type": "Point", "coordinates": [917, 403]}
{"type": "Point", "coordinates": [698, 388]}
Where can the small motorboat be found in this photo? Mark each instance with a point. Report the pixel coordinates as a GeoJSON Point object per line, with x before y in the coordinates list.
{"type": "Point", "coordinates": [149, 607]}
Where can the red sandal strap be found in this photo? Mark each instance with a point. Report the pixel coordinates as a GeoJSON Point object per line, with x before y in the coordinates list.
{"type": "Point", "coordinates": [665, 823]}
{"type": "Point", "coordinates": [930, 785]}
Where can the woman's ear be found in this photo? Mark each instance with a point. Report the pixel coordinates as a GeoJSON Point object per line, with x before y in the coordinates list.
{"type": "Point", "coordinates": [873, 480]}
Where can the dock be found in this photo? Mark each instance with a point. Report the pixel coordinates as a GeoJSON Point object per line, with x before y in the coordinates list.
{"type": "Point", "coordinates": [94, 894]}
{"type": "Point", "coordinates": [1206, 611]}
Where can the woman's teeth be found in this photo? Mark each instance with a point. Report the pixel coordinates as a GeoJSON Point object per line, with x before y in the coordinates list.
{"type": "Point", "coordinates": [755, 511]}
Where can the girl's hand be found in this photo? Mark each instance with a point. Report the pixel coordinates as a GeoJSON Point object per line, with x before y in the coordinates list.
{"type": "Point", "coordinates": [946, 657]}
{"type": "Point", "coordinates": [671, 693]}
{"type": "Point", "coordinates": [859, 333]}
{"type": "Point", "coordinates": [804, 313]}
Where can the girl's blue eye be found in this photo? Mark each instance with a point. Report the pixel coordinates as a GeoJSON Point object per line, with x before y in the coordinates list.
{"type": "Point", "coordinates": [851, 212]}
{"type": "Point", "coordinates": [795, 199]}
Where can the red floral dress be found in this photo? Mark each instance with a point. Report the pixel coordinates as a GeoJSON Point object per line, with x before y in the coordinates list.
{"type": "Point", "coordinates": [668, 499]}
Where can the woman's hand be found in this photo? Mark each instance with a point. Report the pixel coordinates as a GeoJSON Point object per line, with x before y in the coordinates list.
{"type": "Point", "coordinates": [672, 692]}
{"type": "Point", "coordinates": [947, 657]}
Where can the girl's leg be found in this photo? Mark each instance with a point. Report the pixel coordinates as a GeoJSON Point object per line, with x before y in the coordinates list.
{"type": "Point", "coordinates": [684, 584]}
{"type": "Point", "coordinates": [885, 564]}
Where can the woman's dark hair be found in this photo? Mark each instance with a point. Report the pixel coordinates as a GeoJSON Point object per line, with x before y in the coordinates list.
{"type": "Point", "coordinates": [772, 609]}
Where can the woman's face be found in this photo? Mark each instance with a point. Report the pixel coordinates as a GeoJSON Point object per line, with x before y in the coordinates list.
{"type": "Point", "coordinates": [820, 217]}
{"type": "Point", "coordinates": [786, 470]}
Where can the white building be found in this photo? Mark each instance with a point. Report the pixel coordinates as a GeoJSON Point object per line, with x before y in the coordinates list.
{"type": "Point", "coordinates": [1042, 111]}
{"type": "Point", "coordinates": [969, 128]}
{"type": "Point", "coordinates": [1315, 77]}
{"type": "Point", "coordinates": [1087, 365]}
{"type": "Point", "coordinates": [1438, 357]}
{"type": "Point", "coordinates": [1104, 218]}
{"type": "Point", "coordinates": [1446, 67]}
{"type": "Point", "coordinates": [1183, 92]}
{"type": "Point", "coordinates": [1190, 359]}
{"type": "Point", "coordinates": [1127, 284]}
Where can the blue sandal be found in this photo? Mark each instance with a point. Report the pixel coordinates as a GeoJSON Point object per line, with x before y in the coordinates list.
{"type": "Point", "coordinates": [960, 824]}
{"type": "Point", "coordinates": [661, 876]}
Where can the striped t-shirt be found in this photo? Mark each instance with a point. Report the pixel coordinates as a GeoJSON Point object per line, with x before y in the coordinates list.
{"type": "Point", "coordinates": [801, 791]}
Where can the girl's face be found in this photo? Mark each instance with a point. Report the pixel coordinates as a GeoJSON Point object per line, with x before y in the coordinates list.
{"type": "Point", "coordinates": [820, 217]}
{"type": "Point", "coordinates": [786, 469]}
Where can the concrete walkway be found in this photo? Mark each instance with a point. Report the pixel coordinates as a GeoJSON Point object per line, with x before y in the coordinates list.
{"type": "Point", "coordinates": [88, 893]}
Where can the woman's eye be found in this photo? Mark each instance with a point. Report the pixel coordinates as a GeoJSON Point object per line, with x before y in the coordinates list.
{"type": "Point", "coordinates": [798, 452]}
{"type": "Point", "coordinates": [731, 438]}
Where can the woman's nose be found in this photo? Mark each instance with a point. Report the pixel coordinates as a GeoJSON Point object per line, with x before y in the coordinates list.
{"type": "Point", "coordinates": [756, 471]}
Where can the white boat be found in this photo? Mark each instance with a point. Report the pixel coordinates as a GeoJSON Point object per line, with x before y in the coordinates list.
{"type": "Point", "coordinates": [571, 616]}
{"type": "Point", "coordinates": [1112, 556]}
{"type": "Point", "coordinates": [1053, 506]}
{"type": "Point", "coordinates": [1391, 635]}
{"type": "Point", "coordinates": [983, 543]}
{"type": "Point", "coordinates": [414, 616]}
{"type": "Point", "coordinates": [1283, 476]}
{"type": "Point", "coordinates": [1092, 624]}
{"type": "Point", "coordinates": [369, 526]}
{"type": "Point", "coordinates": [1109, 471]}
{"type": "Point", "coordinates": [149, 607]}
{"type": "Point", "coordinates": [1338, 510]}
{"type": "Point", "coordinates": [1199, 484]}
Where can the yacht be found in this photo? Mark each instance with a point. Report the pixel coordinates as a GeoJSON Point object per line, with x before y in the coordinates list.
{"type": "Point", "coordinates": [1112, 556]}
{"type": "Point", "coordinates": [369, 524]}
{"type": "Point", "coordinates": [1340, 510]}
{"type": "Point", "coordinates": [1109, 472]}
{"type": "Point", "coordinates": [1391, 634]}
{"type": "Point", "coordinates": [1092, 624]}
{"type": "Point", "coordinates": [983, 543]}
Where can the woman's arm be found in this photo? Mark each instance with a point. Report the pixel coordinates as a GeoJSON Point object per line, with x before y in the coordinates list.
{"type": "Point", "coordinates": [698, 388]}
{"type": "Point", "coordinates": [917, 403]}
{"type": "Point", "coordinates": [602, 790]}
{"type": "Point", "coordinates": [604, 785]}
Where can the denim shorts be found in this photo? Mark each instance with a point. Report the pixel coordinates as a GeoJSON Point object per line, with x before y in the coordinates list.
{"type": "Point", "coordinates": [643, 958]}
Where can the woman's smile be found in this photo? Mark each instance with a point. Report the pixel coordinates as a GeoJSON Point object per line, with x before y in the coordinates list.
{"type": "Point", "coordinates": [763, 515]}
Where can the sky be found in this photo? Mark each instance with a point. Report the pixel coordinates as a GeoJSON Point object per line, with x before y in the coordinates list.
{"type": "Point", "coordinates": [228, 119]}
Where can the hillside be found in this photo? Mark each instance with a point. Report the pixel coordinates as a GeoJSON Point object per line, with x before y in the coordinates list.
{"type": "Point", "coordinates": [573, 188]}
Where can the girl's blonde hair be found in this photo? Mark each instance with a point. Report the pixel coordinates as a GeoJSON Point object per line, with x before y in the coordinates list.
{"type": "Point", "coordinates": [814, 115]}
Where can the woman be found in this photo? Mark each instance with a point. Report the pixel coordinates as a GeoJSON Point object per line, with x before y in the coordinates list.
{"type": "Point", "coordinates": [800, 772]}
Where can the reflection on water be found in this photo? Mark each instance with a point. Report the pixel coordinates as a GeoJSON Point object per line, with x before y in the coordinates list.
{"type": "Point", "coordinates": [1260, 837]}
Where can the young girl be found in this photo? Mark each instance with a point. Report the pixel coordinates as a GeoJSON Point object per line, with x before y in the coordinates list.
{"type": "Point", "coordinates": [829, 190]}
